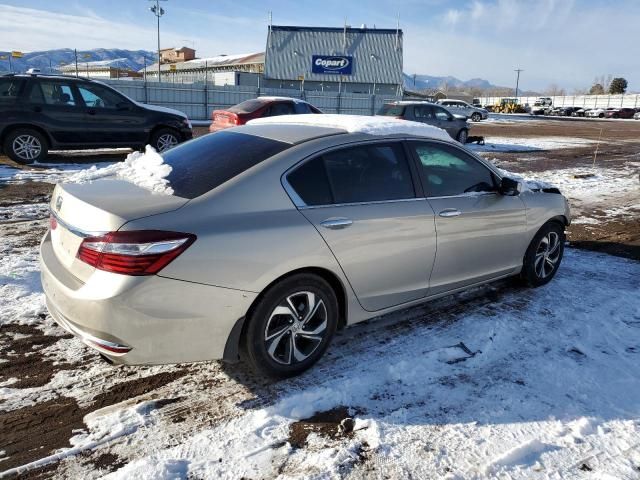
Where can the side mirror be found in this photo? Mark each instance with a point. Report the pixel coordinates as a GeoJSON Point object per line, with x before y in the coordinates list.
{"type": "Point", "coordinates": [510, 187]}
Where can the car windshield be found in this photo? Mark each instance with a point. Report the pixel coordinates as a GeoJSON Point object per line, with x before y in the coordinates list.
{"type": "Point", "coordinates": [248, 106]}
{"type": "Point", "coordinates": [391, 110]}
{"type": "Point", "coordinates": [207, 162]}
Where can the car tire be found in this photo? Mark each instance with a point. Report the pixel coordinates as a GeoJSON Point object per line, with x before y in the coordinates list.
{"type": "Point", "coordinates": [164, 138]}
{"type": "Point", "coordinates": [544, 255]}
{"type": "Point", "coordinates": [476, 117]}
{"type": "Point", "coordinates": [285, 333]}
{"type": "Point", "coordinates": [462, 136]}
{"type": "Point", "coordinates": [26, 145]}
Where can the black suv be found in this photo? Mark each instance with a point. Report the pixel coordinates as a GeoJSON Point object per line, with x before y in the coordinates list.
{"type": "Point", "coordinates": [43, 112]}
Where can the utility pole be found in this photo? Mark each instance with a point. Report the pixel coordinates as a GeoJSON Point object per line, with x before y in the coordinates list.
{"type": "Point", "coordinates": [75, 54]}
{"type": "Point", "coordinates": [158, 11]}
{"type": "Point", "coordinates": [518, 70]}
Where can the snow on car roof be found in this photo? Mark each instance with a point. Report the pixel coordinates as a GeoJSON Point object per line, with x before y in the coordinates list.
{"type": "Point", "coordinates": [358, 124]}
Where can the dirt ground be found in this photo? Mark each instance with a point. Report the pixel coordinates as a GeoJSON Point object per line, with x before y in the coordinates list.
{"type": "Point", "coordinates": [620, 141]}
{"type": "Point", "coordinates": [32, 432]}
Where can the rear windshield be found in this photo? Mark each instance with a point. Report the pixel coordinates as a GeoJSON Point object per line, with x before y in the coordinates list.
{"type": "Point", "coordinates": [207, 162]}
{"type": "Point", "coordinates": [248, 106]}
{"type": "Point", "coordinates": [391, 110]}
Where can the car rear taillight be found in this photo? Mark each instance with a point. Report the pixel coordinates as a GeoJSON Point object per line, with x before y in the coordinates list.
{"type": "Point", "coordinates": [53, 222]}
{"type": "Point", "coordinates": [138, 252]}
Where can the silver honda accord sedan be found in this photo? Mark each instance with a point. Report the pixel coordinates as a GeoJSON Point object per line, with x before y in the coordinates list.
{"type": "Point", "coordinates": [281, 232]}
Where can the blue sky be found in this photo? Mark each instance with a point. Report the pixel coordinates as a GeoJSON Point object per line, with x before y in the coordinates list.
{"type": "Point", "coordinates": [562, 42]}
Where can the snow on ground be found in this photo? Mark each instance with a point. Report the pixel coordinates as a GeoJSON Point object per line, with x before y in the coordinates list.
{"type": "Point", "coordinates": [552, 384]}
{"type": "Point", "coordinates": [586, 186]}
{"type": "Point", "coordinates": [49, 173]}
{"type": "Point", "coordinates": [526, 384]}
{"type": "Point", "coordinates": [523, 144]}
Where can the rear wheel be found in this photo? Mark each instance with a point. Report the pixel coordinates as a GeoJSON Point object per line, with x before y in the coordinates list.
{"type": "Point", "coordinates": [544, 255]}
{"type": "Point", "coordinates": [291, 326]}
{"type": "Point", "coordinates": [25, 145]}
{"type": "Point", "coordinates": [476, 117]}
{"type": "Point", "coordinates": [164, 139]}
{"type": "Point", "coordinates": [462, 136]}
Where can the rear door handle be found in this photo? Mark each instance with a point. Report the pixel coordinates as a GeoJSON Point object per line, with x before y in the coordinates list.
{"type": "Point", "coordinates": [91, 112]}
{"type": "Point", "coordinates": [336, 223]}
{"type": "Point", "coordinates": [450, 212]}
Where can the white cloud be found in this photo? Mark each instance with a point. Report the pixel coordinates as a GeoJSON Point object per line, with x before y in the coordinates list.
{"type": "Point", "coordinates": [29, 29]}
{"type": "Point", "coordinates": [554, 41]}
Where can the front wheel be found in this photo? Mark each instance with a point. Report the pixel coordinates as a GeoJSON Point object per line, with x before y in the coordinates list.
{"type": "Point", "coordinates": [543, 257]}
{"type": "Point", "coordinates": [164, 139]}
{"type": "Point", "coordinates": [476, 117]}
{"type": "Point", "coordinates": [291, 326]}
{"type": "Point", "coordinates": [25, 146]}
{"type": "Point", "coordinates": [462, 136]}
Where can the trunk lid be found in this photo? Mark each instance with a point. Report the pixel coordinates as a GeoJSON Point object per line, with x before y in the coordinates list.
{"type": "Point", "coordinates": [84, 210]}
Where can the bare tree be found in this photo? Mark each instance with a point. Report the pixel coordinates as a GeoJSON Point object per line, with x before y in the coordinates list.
{"type": "Point", "coordinates": [554, 90]}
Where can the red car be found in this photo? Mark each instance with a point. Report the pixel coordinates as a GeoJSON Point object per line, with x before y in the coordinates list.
{"type": "Point", "coordinates": [620, 113]}
{"type": "Point", "coordinates": [258, 108]}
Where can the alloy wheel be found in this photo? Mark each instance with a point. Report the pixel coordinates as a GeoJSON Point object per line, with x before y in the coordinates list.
{"type": "Point", "coordinates": [296, 328]}
{"type": "Point", "coordinates": [166, 141]}
{"type": "Point", "coordinates": [547, 255]}
{"type": "Point", "coordinates": [27, 147]}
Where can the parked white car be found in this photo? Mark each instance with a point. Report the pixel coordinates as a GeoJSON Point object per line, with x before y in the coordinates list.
{"type": "Point", "coordinates": [459, 107]}
{"type": "Point", "coordinates": [597, 112]}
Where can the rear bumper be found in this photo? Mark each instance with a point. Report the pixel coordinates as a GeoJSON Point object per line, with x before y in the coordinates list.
{"type": "Point", "coordinates": [142, 320]}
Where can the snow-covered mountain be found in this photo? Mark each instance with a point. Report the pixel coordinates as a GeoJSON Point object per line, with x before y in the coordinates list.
{"type": "Point", "coordinates": [432, 82]}
{"type": "Point", "coordinates": [132, 59]}
{"type": "Point", "coordinates": [135, 60]}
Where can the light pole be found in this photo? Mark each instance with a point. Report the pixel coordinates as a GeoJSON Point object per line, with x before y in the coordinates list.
{"type": "Point", "coordinates": [518, 70]}
{"type": "Point", "coordinates": [158, 11]}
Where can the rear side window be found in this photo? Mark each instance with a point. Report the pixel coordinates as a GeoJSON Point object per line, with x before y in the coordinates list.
{"type": "Point", "coordinates": [248, 106]}
{"type": "Point", "coordinates": [423, 112]}
{"type": "Point", "coordinates": [57, 93]}
{"type": "Point", "coordinates": [367, 173]}
{"type": "Point", "coordinates": [205, 163]}
{"type": "Point", "coordinates": [10, 88]}
{"type": "Point", "coordinates": [391, 110]}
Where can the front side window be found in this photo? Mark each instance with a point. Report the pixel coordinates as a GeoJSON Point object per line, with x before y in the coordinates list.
{"type": "Point", "coordinates": [10, 89]}
{"type": "Point", "coordinates": [367, 173]}
{"type": "Point", "coordinates": [96, 96]}
{"type": "Point", "coordinates": [448, 171]}
{"type": "Point", "coordinates": [441, 114]}
{"type": "Point", "coordinates": [302, 107]}
{"type": "Point", "coordinates": [55, 93]}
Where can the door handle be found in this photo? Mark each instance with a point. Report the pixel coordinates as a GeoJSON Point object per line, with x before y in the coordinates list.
{"type": "Point", "coordinates": [336, 223]}
{"type": "Point", "coordinates": [91, 112]}
{"type": "Point", "coordinates": [37, 109]}
{"type": "Point", "coordinates": [450, 212]}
